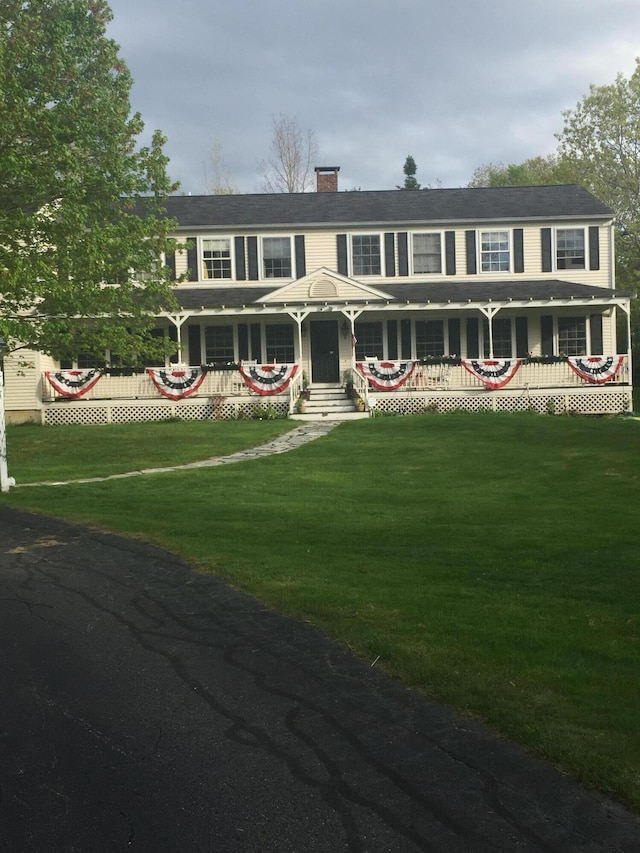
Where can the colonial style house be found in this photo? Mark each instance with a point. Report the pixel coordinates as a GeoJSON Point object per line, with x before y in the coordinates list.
{"type": "Point", "coordinates": [428, 300]}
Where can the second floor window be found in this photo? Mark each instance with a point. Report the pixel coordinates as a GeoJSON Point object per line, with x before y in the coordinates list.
{"type": "Point", "coordinates": [427, 253]}
{"type": "Point", "coordinates": [216, 258]}
{"type": "Point", "coordinates": [276, 257]}
{"type": "Point", "coordinates": [570, 254]}
{"type": "Point", "coordinates": [366, 259]}
{"type": "Point", "coordinates": [494, 251]}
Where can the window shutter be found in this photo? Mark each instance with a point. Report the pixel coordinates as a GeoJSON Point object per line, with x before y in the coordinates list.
{"type": "Point", "coordinates": [389, 254]}
{"type": "Point", "coordinates": [454, 336]}
{"type": "Point", "coordinates": [403, 253]}
{"type": "Point", "coordinates": [195, 351]}
{"type": "Point", "coordinates": [256, 342]}
{"type": "Point", "coordinates": [522, 337]}
{"type": "Point", "coordinates": [392, 339]}
{"type": "Point", "coordinates": [241, 270]}
{"type": "Point", "coordinates": [595, 321]}
{"type": "Point", "coordinates": [252, 251]}
{"type": "Point", "coordinates": [518, 250]}
{"type": "Point", "coordinates": [547, 262]}
{"type": "Point", "coordinates": [450, 252]}
{"type": "Point", "coordinates": [470, 238]}
{"type": "Point", "coordinates": [546, 334]}
{"type": "Point", "coordinates": [473, 347]}
{"type": "Point", "coordinates": [173, 336]}
{"type": "Point", "coordinates": [594, 247]}
{"type": "Point", "coordinates": [405, 338]}
{"type": "Point", "coordinates": [243, 341]}
{"type": "Point", "coordinates": [301, 261]}
{"type": "Point", "coordinates": [343, 265]}
{"type": "Point", "coordinates": [192, 258]}
{"type": "Point", "coordinates": [170, 261]}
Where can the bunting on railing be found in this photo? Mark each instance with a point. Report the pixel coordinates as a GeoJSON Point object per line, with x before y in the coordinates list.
{"type": "Point", "coordinates": [386, 375]}
{"type": "Point", "coordinates": [267, 379]}
{"type": "Point", "coordinates": [493, 372]}
{"type": "Point", "coordinates": [596, 369]}
{"type": "Point", "coordinates": [177, 383]}
{"type": "Point", "coordinates": [73, 383]}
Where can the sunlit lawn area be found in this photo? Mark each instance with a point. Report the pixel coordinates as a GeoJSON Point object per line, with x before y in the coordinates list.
{"type": "Point", "coordinates": [491, 560]}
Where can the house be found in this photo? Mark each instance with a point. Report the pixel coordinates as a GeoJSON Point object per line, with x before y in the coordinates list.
{"type": "Point", "coordinates": [429, 300]}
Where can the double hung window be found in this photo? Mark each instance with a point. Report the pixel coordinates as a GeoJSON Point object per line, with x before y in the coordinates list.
{"type": "Point", "coordinates": [572, 335]}
{"type": "Point", "coordinates": [365, 254]}
{"type": "Point", "coordinates": [276, 257]}
{"type": "Point", "coordinates": [495, 254]}
{"type": "Point", "coordinates": [570, 249]}
{"type": "Point", "coordinates": [426, 253]}
{"type": "Point", "coordinates": [218, 343]}
{"type": "Point", "coordinates": [216, 258]}
{"type": "Point", "coordinates": [429, 338]}
{"type": "Point", "coordinates": [279, 343]}
{"type": "Point", "coordinates": [369, 341]}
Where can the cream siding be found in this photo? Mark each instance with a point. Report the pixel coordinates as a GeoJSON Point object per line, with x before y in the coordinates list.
{"type": "Point", "coordinates": [321, 250]}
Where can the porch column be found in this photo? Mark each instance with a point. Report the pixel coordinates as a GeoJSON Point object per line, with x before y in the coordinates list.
{"type": "Point", "coordinates": [5, 481]}
{"type": "Point", "coordinates": [490, 313]}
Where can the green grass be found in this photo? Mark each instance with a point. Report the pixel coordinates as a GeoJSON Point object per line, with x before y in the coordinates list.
{"type": "Point", "coordinates": [490, 560]}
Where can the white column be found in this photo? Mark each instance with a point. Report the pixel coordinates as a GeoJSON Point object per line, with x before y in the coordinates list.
{"type": "Point", "coordinates": [5, 481]}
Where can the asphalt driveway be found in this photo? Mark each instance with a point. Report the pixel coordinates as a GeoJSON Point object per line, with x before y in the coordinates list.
{"type": "Point", "coordinates": [146, 707]}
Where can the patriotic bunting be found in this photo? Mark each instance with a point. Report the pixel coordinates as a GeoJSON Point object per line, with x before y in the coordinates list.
{"type": "Point", "coordinates": [267, 379]}
{"type": "Point", "coordinates": [596, 369]}
{"type": "Point", "coordinates": [179, 383]}
{"type": "Point", "coordinates": [494, 373]}
{"type": "Point", "coordinates": [386, 375]}
{"type": "Point", "coordinates": [73, 383]}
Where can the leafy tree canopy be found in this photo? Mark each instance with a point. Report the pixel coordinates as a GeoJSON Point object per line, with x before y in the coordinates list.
{"type": "Point", "coordinates": [81, 204]}
{"type": "Point", "coordinates": [534, 172]}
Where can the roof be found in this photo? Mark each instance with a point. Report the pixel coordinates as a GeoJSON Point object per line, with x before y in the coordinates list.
{"type": "Point", "coordinates": [399, 207]}
{"type": "Point", "coordinates": [456, 293]}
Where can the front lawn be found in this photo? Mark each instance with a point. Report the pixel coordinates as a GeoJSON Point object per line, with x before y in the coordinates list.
{"type": "Point", "coordinates": [490, 560]}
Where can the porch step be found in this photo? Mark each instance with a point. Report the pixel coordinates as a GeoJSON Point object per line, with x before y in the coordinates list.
{"type": "Point", "coordinates": [328, 402]}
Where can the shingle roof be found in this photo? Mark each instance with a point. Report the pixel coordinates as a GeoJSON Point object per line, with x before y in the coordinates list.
{"type": "Point", "coordinates": [457, 293]}
{"type": "Point", "coordinates": [386, 206]}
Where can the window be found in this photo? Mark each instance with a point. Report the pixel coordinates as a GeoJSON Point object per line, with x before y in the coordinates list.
{"type": "Point", "coordinates": [572, 335]}
{"type": "Point", "coordinates": [502, 338]}
{"type": "Point", "coordinates": [570, 253]}
{"type": "Point", "coordinates": [494, 251]}
{"type": "Point", "coordinates": [369, 341]}
{"type": "Point", "coordinates": [427, 253]}
{"type": "Point", "coordinates": [276, 257]}
{"type": "Point", "coordinates": [366, 259]}
{"type": "Point", "coordinates": [279, 340]}
{"type": "Point", "coordinates": [429, 338]}
{"type": "Point", "coordinates": [218, 344]}
{"type": "Point", "coordinates": [216, 258]}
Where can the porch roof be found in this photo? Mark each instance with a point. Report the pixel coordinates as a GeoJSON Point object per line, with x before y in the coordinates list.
{"type": "Point", "coordinates": [445, 293]}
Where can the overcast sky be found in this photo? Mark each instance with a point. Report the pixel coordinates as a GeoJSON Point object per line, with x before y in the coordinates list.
{"type": "Point", "coordinates": [454, 83]}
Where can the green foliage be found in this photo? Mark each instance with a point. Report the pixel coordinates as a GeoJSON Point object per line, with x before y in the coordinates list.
{"type": "Point", "coordinates": [73, 183]}
{"type": "Point", "coordinates": [534, 172]}
{"type": "Point", "coordinates": [410, 169]}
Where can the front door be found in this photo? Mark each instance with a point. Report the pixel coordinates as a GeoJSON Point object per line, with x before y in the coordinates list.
{"type": "Point", "coordinates": [325, 361]}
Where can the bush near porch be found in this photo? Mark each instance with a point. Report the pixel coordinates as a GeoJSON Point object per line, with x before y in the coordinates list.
{"type": "Point", "coordinates": [490, 560]}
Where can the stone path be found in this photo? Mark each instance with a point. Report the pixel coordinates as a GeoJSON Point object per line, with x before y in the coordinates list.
{"type": "Point", "coordinates": [282, 444]}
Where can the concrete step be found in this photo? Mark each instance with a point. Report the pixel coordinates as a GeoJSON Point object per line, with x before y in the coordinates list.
{"type": "Point", "coordinates": [329, 416]}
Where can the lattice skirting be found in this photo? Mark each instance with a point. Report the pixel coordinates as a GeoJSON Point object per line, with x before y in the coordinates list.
{"type": "Point", "coordinates": [127, 411]}
{"type": "Point", "coordinates": [587, 401]}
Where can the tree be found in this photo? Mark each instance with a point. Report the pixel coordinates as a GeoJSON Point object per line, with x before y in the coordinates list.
{"type": "Point", "coordinates": [534, 172]}
{"type": "Point", "coordinates": [293, 155]}
{"type": "Point", "coordinates": [221, 182]}
{"type": "Point", "coordinates": [410, 169]}
{"type": "Point", "coordinates": [81, 203]}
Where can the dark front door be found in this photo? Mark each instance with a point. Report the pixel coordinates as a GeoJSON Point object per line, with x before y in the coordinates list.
{"type": "Point", "coordinates": [325, 363]}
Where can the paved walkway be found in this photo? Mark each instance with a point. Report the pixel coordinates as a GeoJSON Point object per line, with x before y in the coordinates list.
{"type": "Point", "coordinates": [282, 444]}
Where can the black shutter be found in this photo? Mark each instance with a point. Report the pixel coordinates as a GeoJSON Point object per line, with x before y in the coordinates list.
{"type": "Point", "coordinates": [473, 347]}
{"type": "Point", "coordinates": [518, 250]}
{"type": "Point", "coordinates": [192, 258]}
{"type": "Point", "coordinates": [343, 264]}
{"type": "Point", "coordinates": [454, 336]}
{"type": "Point", "coordinates": [595, 321]}
{"type": "Point", "coordinates": [522, 337]}
{"type": "Point", "coordinates": [195, 351]}
{"type": "Point", "coordinates": [547, 262]}
{"type": "Point", "coordinates": [405, 338]}
{"type": "Point", "coordinates": [252, 251]}
{"type": "Point", "coordinates": [241, 270]}
{"type": "Point", "coordinates": [450, 252]}
{"type": "Point", "coordinates": [403, 253]}
{"type": "Point", "coordinates": [170, 261]}
{"type": "Point", "coordinates": [256, 342]}
{"type": "Point", "coordinates": [392, 339]}
{"type": "Point", "coordinates": [470, 239]}
{"type": "Point", "coordinates": [546, 334]}
{"type": "Point", "coordinates": [173, 336]}
{"type": "Point", "coordinates": [594, 247]}
{"type": "Point", "coordinates": [243, 341]}
{"type": "Point", "coordinates": [389, 254]}
{"type": "Point", "coordinates": [301, 261]}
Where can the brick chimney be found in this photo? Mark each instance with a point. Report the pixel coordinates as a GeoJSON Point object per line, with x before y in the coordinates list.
{"type": "Point", "coordinates": [327, 179]}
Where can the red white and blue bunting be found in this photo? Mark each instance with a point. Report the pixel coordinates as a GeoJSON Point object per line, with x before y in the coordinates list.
{"type": "Point", "coordinates": [493, 372]}
{"type": "Point", "coordinates": [178, 383]}
{"type": "Point", "coordinates": [596, 369]}
{"type": "Point", "coordinates": [386, 375]}
{"type": "Point", "coordinates": [73, 383]}
{"type": "Point", "coordinates": [267, 379]}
